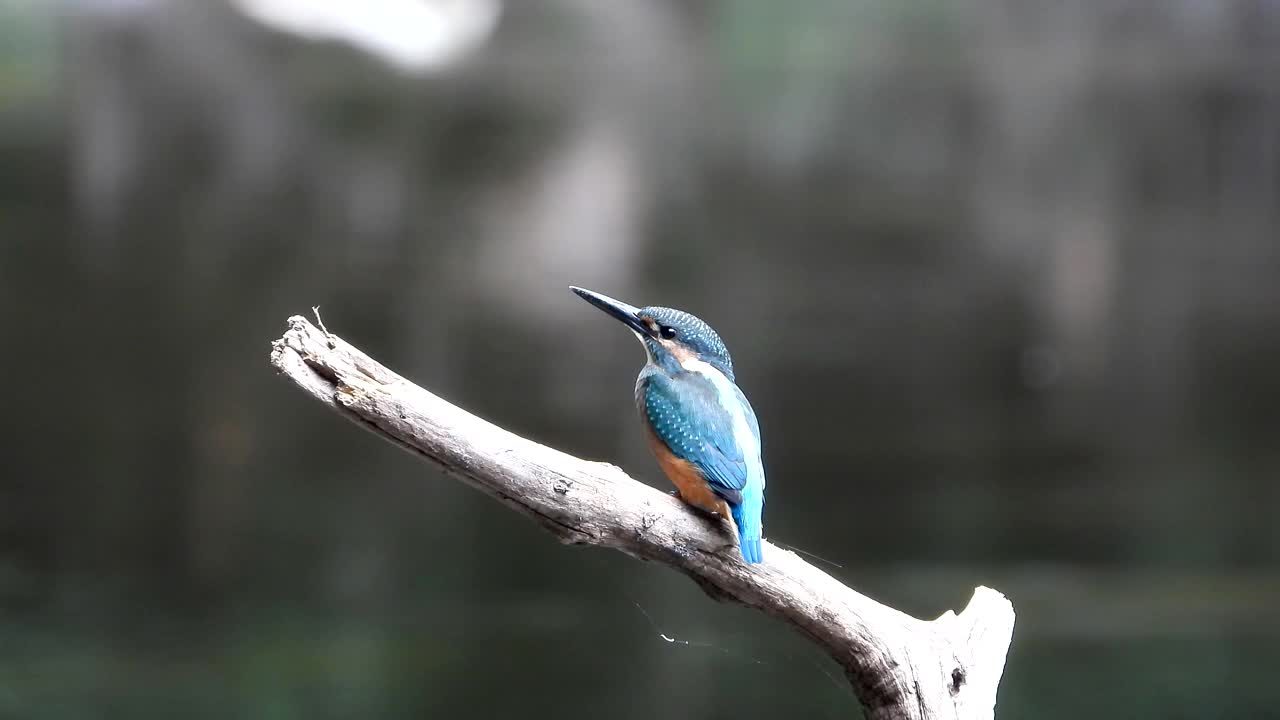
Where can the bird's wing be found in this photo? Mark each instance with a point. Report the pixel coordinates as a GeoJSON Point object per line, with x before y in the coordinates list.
{"type": "Point", "coordinates": [689, 419]}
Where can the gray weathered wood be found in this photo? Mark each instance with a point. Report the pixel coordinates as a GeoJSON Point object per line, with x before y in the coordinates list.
{"type": "Point", "coordinates": [900, 667]}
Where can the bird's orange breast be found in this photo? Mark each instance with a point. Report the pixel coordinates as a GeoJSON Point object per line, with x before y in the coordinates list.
{"type": "Point", "coordinates": [693, 488]}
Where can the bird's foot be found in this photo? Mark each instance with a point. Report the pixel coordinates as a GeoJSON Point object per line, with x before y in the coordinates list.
{"type": "Point", "coordinates": [723, 523]}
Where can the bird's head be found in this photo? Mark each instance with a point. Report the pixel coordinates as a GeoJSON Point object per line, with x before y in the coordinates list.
{"type": "Point", "coordinates": [670, 336]}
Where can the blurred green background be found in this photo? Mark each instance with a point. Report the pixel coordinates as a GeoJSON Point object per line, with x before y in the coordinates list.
{"type": "Point", "coordinates": [1002, 280]}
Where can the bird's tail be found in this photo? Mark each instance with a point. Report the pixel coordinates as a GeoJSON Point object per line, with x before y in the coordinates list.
{"type": "Point", "coordinates": [747, 518]}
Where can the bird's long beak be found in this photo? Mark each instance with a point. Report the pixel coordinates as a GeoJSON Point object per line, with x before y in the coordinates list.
{"type": "Point", "coordinates": [618, 309]}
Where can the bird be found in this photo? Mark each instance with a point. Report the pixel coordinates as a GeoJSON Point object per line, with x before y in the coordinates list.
{"type": "Point", "coordinates": [699, 425]}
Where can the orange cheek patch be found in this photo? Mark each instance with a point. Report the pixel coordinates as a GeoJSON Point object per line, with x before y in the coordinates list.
{"type": "Point", "coordinates": [678, 351]}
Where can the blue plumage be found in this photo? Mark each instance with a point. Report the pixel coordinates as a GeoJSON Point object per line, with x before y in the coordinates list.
{"type": "Point", "coordinates": [713, 429]}
{"type": "Point", "coordinates": [706, 434]}
{"type": "Point", "coordinates": [748, 522]}
{"type": "Point", "coordinates": [691, 333]}
{"type": "Point", "coordinates": [689, 418]}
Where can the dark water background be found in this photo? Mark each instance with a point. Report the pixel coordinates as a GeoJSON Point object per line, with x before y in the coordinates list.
{"type": "Point", "coordinates": [1002, 281]}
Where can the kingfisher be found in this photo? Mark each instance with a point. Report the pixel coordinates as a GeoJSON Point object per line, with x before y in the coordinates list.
{"type": "Point", "coordinates": [698, 423]}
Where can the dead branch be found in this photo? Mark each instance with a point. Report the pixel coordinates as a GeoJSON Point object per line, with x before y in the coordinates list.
{"type": "Point", "coordinates": [900, 667]}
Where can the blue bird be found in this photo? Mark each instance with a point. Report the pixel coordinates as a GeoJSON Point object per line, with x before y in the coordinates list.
{"type": "Point", "coordinates": [699, 424]}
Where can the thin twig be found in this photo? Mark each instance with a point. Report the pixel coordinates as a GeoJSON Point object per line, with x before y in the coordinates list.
{"type": "Point", "coordinates": [328, 335]}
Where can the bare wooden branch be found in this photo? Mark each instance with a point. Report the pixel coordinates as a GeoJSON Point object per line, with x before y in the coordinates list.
{"type": "Point", "coordinates": [900, 667]}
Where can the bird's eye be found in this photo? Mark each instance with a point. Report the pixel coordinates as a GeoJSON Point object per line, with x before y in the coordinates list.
{"type": "Point", "coordinates": [667, 332]}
